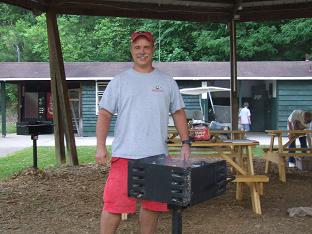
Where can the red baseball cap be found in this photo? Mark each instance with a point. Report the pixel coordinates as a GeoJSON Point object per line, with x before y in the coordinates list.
{"type": "Point", "coordinates": [147, 35]}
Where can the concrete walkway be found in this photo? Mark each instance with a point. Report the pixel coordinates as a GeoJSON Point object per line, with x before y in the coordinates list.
{"type": "Point", "coordinates": [12, 142]}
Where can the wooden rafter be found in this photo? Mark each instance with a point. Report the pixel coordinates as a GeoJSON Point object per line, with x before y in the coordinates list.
{"type": "Point", "coordinates": [194, 10]}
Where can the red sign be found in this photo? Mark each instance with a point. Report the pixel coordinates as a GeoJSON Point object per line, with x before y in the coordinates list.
{"type": "Point", "coordinates": [201, 133]}
{"type": "Point", "coordinates": [49, 106]}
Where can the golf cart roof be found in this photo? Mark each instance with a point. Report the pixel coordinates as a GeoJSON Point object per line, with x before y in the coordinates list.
{"type": "Point", "coordinates": [201, 90]}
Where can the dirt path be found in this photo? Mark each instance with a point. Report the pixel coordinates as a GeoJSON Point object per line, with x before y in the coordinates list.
{"type": "Point", "coordinates": [69, 200]}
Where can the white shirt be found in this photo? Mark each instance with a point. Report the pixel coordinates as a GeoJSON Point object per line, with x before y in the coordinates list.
{"type": "Point", "coordinates": [298, 115]}
{"type": "Point", "coordinates": [244, 116]}
{"type": "Point", "coordinates": [142, 102]}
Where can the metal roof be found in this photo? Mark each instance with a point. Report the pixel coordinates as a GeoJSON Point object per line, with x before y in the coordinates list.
{"type": "Point", "coordinates": [265, 70]}
{"type": "Point", "coordinates": [194, 10]}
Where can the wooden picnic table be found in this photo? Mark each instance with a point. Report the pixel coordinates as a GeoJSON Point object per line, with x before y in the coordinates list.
{"type": "Point", "coordinates": [238, 153]}
{"type": "Point", "coordinates": [217, 134]}
{"type": "Point", "coordinates": [279, 153]}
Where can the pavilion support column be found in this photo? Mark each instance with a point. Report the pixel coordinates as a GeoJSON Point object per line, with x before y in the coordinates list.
{"type": "Point", "coordinates": [57, 119]}
{"type": "Point", "coordinates": [234, 87]}
{"type": "Point", "coordinates": [60, 93]}
{"type": "Point", "coordinates": [3, 108]}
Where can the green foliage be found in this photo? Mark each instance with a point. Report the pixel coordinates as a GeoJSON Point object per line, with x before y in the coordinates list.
{"type": "Point", "coordinates": [86, 38]}
{"type": "Point", "coordinates": [11, 92]}
{"type": "Point", "coordinates": [10, 127]}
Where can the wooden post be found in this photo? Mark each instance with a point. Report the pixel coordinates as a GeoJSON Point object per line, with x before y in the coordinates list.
{"type": "Point", "coordinates": [234, 103]}
{"type": "Point", "coordinates": [58, 75]}
{"type": "Point", "coordinates": [57, 119]}
{"type": "Point", "coordinates": [3, 108]}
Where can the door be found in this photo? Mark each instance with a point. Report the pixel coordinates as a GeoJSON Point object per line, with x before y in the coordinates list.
{"type": "Point", "coordinates": [74, 101]}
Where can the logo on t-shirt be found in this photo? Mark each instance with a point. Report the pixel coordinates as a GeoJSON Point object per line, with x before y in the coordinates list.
{"type": "Point", "coordinates": [157, 88]}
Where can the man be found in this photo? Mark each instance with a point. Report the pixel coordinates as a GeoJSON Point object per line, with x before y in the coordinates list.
{"type": "Point", "coordinates": [142, 97]}
{"type": "Point", "coordinates": [244, 117]}
{"type": "Point", "coordinates": [299, 120]}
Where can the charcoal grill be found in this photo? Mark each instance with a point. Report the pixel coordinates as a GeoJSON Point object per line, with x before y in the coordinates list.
{"type": "Point", "coordinates": [34, 128]}
{"type": "Point", "coordinates": [178, 183]}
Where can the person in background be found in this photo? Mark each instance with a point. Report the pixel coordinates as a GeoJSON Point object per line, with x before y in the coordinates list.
{"type": "Point", "coordinates": [299, 120]}
{"type": "Point", "coordinates": [244, 117]}
{"type": "Point", "coordinates": [142, 97]}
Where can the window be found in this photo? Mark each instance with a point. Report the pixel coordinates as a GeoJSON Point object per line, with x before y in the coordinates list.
{"type": "Point", "coordinates": [100, 88]}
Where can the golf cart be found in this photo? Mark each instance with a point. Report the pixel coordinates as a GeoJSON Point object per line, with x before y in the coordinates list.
{"type": "Point", "coordinates": [220, 116]}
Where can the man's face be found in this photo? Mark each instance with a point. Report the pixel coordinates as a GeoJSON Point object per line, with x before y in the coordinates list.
{"type": "Point", "coordinates": [142, 52]}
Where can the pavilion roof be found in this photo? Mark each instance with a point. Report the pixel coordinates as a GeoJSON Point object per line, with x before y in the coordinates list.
{"type": "Point", "coordinates": [195, 10]}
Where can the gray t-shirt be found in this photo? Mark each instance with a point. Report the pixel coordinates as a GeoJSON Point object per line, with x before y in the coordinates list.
{"type": "Point", "coordinates": [142, 102]}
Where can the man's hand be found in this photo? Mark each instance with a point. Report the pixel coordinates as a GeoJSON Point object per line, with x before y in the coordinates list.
{"type": "Point", "coordinates": [101, 156]}
{"type": "Point", "coordinates": [298, 126]}
{"type": "Point", "coordinates": [185, 152]}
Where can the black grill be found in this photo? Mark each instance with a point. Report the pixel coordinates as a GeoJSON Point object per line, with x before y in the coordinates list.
{"type": "Point", "coordinates": [34, 128]}
{"type": "Point", "coordinates": [176, 182]}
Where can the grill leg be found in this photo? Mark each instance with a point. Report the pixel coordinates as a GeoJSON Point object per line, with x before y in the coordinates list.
{"type": "Point", "coordinates": [35, 138]}
{"type": "Point", "coordinates": [177, 221]}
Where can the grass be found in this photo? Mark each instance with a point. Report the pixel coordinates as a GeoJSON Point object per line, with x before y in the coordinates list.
{"type": "Point", "coordinates": [10, 128]}
{"type": "Point", "coordinates": [258, 152]}
{"type": "Point", "coordinates": [46, 158]}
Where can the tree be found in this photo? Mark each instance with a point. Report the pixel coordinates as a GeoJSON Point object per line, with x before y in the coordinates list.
{"type": "Point", "coordinates": [89, 38]}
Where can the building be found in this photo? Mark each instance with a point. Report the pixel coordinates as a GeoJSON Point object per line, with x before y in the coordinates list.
{"type": "Point", "coordinates": [273, 88]}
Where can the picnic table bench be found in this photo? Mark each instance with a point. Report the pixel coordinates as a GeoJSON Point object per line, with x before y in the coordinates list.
{"type": "Point", "coordinates": [279, 153]}
{"type": "Point", "coordinates": [238, 153]}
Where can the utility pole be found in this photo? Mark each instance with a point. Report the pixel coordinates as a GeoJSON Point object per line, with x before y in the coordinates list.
{"type": "Point", "coordinates": [3, 108]}
{"type": "Point", "coordinates": [159, 41]}
{"type": "Point", "coordinates": [18, 53]}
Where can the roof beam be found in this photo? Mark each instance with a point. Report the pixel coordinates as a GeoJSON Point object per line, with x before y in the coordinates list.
{"type": "Point", "coordinates": [31, 5]}
{"type": "Point", "coordinates": [192, 10]}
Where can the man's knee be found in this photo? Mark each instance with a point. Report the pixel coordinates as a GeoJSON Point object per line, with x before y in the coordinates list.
{"type": "Point", "coordinates": [109, 222]}
{"type": "Point", "coordinates": [148, 221]}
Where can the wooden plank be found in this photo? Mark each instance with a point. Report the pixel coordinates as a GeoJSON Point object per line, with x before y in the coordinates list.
{"type": "Point", "coordinates": [58, 122]}
{"type": "Point", "coordinates": [303, 91]}
{"type": "Point", "coordinates": [280, 132]}
{"type": "Point", "coordinates": [307, 97]}
{"type": "Point", "coordinates": [62, 91]}
{"type": "Point", "coordinates": [239, 191]}
{"type": "Point", "coordinates": [296, 154]}
{"type": "Point", "coordinates": [272, 157]}
{"type": "Point", "coordinates": [249, 161]}
{"type": "Point", "coordinates": [268, 149]}
{"type": "Point", "coordinates": [233, 81]}
{"type": "Point", "coordinates": [298, 149]}
{"type": "Point", "coordinates": [251, 178]}
{"type": "Point", "coordinates": [255, 199]}
{"type": "Point", "coordinates": [57, 116]}
{"type": "Point", "coordinates": [234, 164]}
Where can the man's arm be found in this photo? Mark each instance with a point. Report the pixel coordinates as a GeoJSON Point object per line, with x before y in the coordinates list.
{"type": "Point", "coordinates": [179, 118]}
{"type": "Point", "coordinates": [309, 140]}
{"type": "Point", "coordinates": [102, 128]}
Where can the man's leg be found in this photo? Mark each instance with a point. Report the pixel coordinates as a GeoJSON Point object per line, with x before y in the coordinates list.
{"type": "Point", "coordinates": [292, 145]}
{"type": "Point", "coordinates": [109, 222]}
{"type": "Point", "coordinates": [148, 221]}
{"type": "Point", "coordinates": [303, 143]}
{"type": "Point", "coordinates": [115, 196]}
{"type": "Point", "coordinates": [247, 127]}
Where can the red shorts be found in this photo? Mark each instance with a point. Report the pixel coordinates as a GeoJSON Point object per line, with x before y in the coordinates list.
{"type": "Point", "coordinates": [115, 194]}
